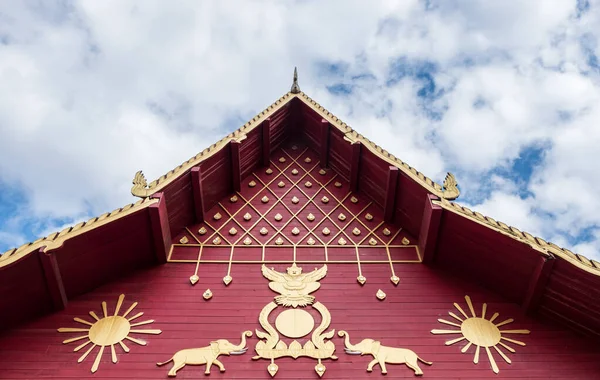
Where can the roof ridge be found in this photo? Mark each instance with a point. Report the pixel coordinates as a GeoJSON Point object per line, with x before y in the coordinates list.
{"type": "Point", "coordinates": [546, 248]}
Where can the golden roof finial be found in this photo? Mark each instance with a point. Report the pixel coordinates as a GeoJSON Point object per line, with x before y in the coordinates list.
{"type": "Point", "coordinates": [295, 88]}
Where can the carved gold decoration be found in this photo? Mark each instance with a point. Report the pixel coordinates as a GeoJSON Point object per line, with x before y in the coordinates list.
{"type": "Point", "coordinates": [380, 295]}
{"type": "Point", "coordinates": [395, 279]}
{"type": "Point", "coordinates": [232, 231]}
{"type": "Point", "coordinates": [325, 199]}
{"type": "Point", "coordinates": [263, 231]}
{"type": "Point", "coordinates": [294, 288]}
{"type": "Point", "coordinates": [294, 147]}
{"type": "Point", "coordinates": [361, 279]}
{"type": "Point", "coordinates": [383, 355]}
{"type": "Point", "coordinates": [372, 241]}
{"type": "Point", "coordinates": [282, 159]}
{"type": "Point", "coordinates": [310, 217]}
{"type": "Point", "coordinates": [247, 241]}
{"type": "Point", "coordinates": [247, 216]}
{"type": "Point", "coordinates": [322, 172]}
{"type": "Point", "coordinates": [202, 231]}
{"type": "Point", "coordinates": [326, 231]}
{"type": "Point", "coordinates": [337, 184]}
{"type": "Point", "coordinates": [278, 217]}
{"type": "Point", "coordinates": [369, 217]}
{"type": "Point", "coordinates": [264, 199]}
{"type": "Point", "coordinates": [342, 217]}
{"type": "Point", "coordinates": [308, 184]}
{"type": "Point", "coordinates": [184, 240]}
{"type": "Point", "coordinates": [251, 184]}
{"type": "Point", "coordinates": [281, 184]}
{"type": "Point", "coordinates": [206, 355]}
{"type": "Point", "coordinates": [481, 332]}
{"type": "Point", "coordinates": [355, 231]}
{"type": "Point", "coordinates": [310, 241]}
{"type": "Point", "coordinates": [354, 200]}
{"type": "Point", "coordinates": [269, 171]}
{"type": "Point", "coordinates": [405, 241]}
{"type": "Point", "coordinates": [387, 232]}
{"type": "Point", "coordinates": [207, 294]}
{"type": "Point", "coordinates": [307, 160]}
{"type": "Point", "coordinates": [342, 241]}
{"type": "Point", "coordinates": [295, 231]}
{"type": "Point", "coordinates": [227, 280]}
{"type": "Point", "coordinates": [279, 241]}
{"type": "Point", "coordinates": [295, 200]}
{"type": "Point", "coordinates": [233, 199]}
{"type": "Point", "coordinates": [294, 171]}
{"type": "Point", "coordinates": [216, 241]}
{"type": "Point", "coordinates": [217, 216]}
{"type": "Point", "coordinates": [194, 279]}
{"type": "Point", "coordinates": [108, 331]}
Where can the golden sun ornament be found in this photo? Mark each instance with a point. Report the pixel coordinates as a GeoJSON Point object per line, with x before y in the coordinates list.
{"type": "Point", "coordinates": [481, 332]}
{"type": "Point", "coordinates": [108, 331]}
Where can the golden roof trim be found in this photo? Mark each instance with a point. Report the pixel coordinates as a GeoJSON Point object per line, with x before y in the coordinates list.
{"type": "Point", "coordinates": [545, 248]}
{"type": "Point", "coordinates": [449, 189]}
{"type": "Point", "coordinates": [56, 239]}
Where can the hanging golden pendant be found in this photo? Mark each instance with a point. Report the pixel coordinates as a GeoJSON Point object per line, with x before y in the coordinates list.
{"type": "Point", "coordinates": [380, 295]}
{"type": "Point", "coordinates": [207, 294]}
{"type": "Point", "coordinates": [282, 159]}
{"type": "Point", "coordinates": [232, 231]}
{"type": "Point", "coordinates": [405, 241]}
{"type": "Point", "coordinates": [269, 171]}
{"type": "Point", "coordinates": [295, 200]}
{"type": "Point", "coordinates": [354, 200]}
{"type": "Point", "coordinates": [322, 172]}
{"type": "Point", "coordinates": [247, 241]}
{"type": "Point", "coordinates": [278, 217]}
{"type": "Point", "coordinates": [233, 199]}
{"type": "Point", "coordinates": [308, 184]}
{"type": "Point", "coordinates": [194, 279]}
{"type": "Point", "coordinates": [369, 217]}
{"type": "Point", "coordinates": [227, 280]}
{"type": "Point", "coordinates": [395, 279]}
{"type": "Point", "coordinates": [294, 171]}
{"type": "Point", "coordinates": [272, 369]}
{"type": "Point", "coordinates": [372, 241]}
{"type": "Point", "coordinates": [217, 216]}
{"type": "Point", "coordinates": [281, 184]}
{"type": "Point", "coordinates": [184, 240]}
{"type": "Point", "coordinates": [325, 199]}
{"type": "Point", "coordinates": [355, 231]}
{"type": "Point", "coordinates": [264, 199]}
{"type": "Point", "coordinates": [361, 279]}
{"type": "Point", "coordinates": [307, 160]}
{"type": "Point", "coordinates": [310, 217]}
{"type": "Point", "coordinates": [342, 241]}
{"type": "Point", "coordinates": [202, 231]}
{"type": "Point", "coordinates": [387, 232]}
{"type": "Point", "coordinates": [264, 231]}
{"type": "Point", "coordinates": [310, 241]}
{"type": "Point", "coordinates": [337, 184]}
{"type": "Point", "coordinates": [279, 241]}
{"type": "Point", "coordinates": [326, 231]}
{"type": "Point", "coordinates": [251, 184]}
{"type": "Point", "coordinates": [342, 217]}
{"type": "Point", "coordinates": [217, 241]}
{"type": "Point", "coordinates": [247, 216]}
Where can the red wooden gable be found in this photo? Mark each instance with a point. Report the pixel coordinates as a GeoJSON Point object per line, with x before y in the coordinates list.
{"type": "Point", "coordinates": [296, 185]}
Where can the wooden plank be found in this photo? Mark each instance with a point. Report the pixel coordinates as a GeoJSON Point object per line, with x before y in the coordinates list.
{"type": "Point", "coordinates": [430, 225]}
{"type": "Point", "coordinates": [54, 282]}
{"type": "Point", "coordinates": [390, 194]}
{"type": "Point", "coordinates": [537, 283]}
{"type": "Point", "coordinates": [198, 193]}
{"type": "Point", "coordinates": [161, 232]}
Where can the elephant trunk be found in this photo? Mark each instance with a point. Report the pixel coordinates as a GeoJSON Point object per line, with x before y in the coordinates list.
{"type": "Point", "coordinates": [242, 345]}
{"type": "Point", "coordinates": [350, 348]}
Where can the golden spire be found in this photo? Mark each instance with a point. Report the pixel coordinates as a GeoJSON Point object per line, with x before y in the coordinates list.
{"type": "Point", "coordinates": [295, 88]}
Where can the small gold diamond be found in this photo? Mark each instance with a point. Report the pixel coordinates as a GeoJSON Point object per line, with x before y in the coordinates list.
{"type": "Point", "coordinates": [361, 279]}
{"type": "Point", "coordinates": [251, 184]}
{"type": "Point", "coordinates": [233, 199]}
{"type": "Point", "coordinates": [310, 217]}
{"type": "Point", "coordinates": [372, 241]}
{"type": "Point", "coordinates": [217, 241]}
{"type": "Point", "coordinates": [217, 216]}
{"type": "Point", "coordinates": [369, 217]}
{"type": "Point", "coordinates": [326, 231]}
{"type": "Point", "coordinates": [342, 241]}
{"type": "Point", "coordinates": [207, 294]}
{"type": "Point", "coordinates": [354, 200]}
{"type": "Point", "coordinates": [202, 231]}
{"type": "Point", "coordinates": [269, 171]}
{"type": "Point", "coordinates": [183, 240]}
{"type": "Point", "coordinates": [295, 231]}
{"type": "Point", "coordinates": [405, 241]}
{"type": "Point", "coordinates": [322, 172]}
{"type": "Point", "coordinates": [264, 199]}
{"type": "Point", "coordinates": [247, 241]}
{"type": "Point", "coordinates": [308, 184]}
{"type": "Point", "coordinates": [387, 232]}
{"type": "Point", "coordinates": [356, 231]}
{"type": "Point", "coordinates": [227, 280]}
{"type": "Point", "coordinates": [194, 279]}
{"type": "Point", "coordinates": [342, 217]}
{"type": "Point", "coordinates": [278, 217]}
{"type": "Point", "coordinates": [232, 231]}
{"type": "Point", "coordinates": [307, 160]}
{"type": "Point", "coordinates": [282, 159]}
{"type": "Point", "coordinates": [325, 199]}
{"type": "Point", "coordinates": [294, 147]}
{"type": "Point", "coordinates": [295, 200]}
{"type": "Point", "coordinates": [247, 216]}
{"type": "Point", "coordinates": [264, 231]}
{"type": "Point", "coordinates": [295, 171]}
{"type": "Point", "coordinates": [310, 241]}
{"type": "Point", "coordinates": [279, 241]}
{"type": "Point", "coordinates": [337, 184]}
{"type": "Point", "coordinates": [281, 184]}
{"type": "Point", "coordinates": [380, 295]}
{"type": "Point", "coordinates": [395, 279]}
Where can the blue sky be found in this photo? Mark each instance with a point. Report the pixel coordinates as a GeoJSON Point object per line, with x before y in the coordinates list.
{"type": "Point", "coordinates": [504, 94]}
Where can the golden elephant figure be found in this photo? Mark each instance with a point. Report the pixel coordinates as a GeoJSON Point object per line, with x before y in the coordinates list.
{"type": "Point", "coordinates": [207, 355]}
{"type": "Point", "coordinates": [383, 354]}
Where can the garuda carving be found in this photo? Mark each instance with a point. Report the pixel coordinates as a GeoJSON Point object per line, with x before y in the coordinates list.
{"type": "Point", "coordinates": [294, 286]}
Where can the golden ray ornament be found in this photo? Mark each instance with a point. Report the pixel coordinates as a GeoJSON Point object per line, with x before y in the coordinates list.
{"type": "Point", "coordinates": [387, 232]}
{"type": "Point", "coordinates": [269, 171]}
{"type": "Point", "coordinates": [282, 159]}
{"type": "Point", "coordinates": [202, 231]}
{"type": "Point", "coordinates": [184, 240]}
{"type": "Point", "coordinates": [308, 184]}
{"type": "Point", "coordinates": [380, 295]}
{"type": "Point", "coordinates": [108, 331]}
{"type": "Point", "coordinates": [481, 332]}
{"type": "Point", "coordinates": [207, 294]}
{"type": "Point", "coordinates": [227, 280]}
{"type": "Point", "coordinates": [337, 184]}
{"type": "Point", "coordinates": [217, 216]}
{"type": "Point", "coordinates": [294, 288]}
{"type": "Point", "coordinates": [354, 200]}
{"type": "Point", "coordinates": [264, 199]}
{"type": "Point", "coordinates": [247, 216]}
{"type": "Point", "coordinates": [294, 171]}
{"type": "Point", "coordinates": [295, 231]}
{"type": "Point", "coordinates": [307, 160]}
{"type": "Point", "coordinates": [383, 355]}
{"type": "Point", "coordinates": [322, 172]}
{"type": "Point", "coordinates": [295, 200]}
{"type": "Point", "coordinates": [310, 217]}
{"type": "Point", "coordinates": [206, 355]}
{"type": "Point", "coordinates": [217, 241]}
{"type": "Point", "coordinates": [355, 231]}
{"type": "Point", "coordinates": [263, 231]}
{"type": "Point", "coordinates": [281, 184]}
{"type": "Point", "coordinates": [310, 241]}
{"type": "Point", "coordinates": [278, 217]}
{"type": "Point", "coordinates": [232, 231]}
{"type": "Point", "coordinates": [325, 199]}
{"type": "Point", "coordinates": [247, 241]}
{"type": "Point", "coordinates": [251, 184]}
{"type": "Point", "coordinates": [233, 199]}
